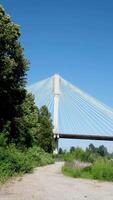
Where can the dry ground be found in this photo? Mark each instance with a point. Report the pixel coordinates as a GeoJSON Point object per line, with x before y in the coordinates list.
{"type": "Point", "coordinates": [47, 183]}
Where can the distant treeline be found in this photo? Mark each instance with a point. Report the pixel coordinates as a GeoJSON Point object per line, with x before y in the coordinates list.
{"type": "Point", "coordinates": [89, 154]}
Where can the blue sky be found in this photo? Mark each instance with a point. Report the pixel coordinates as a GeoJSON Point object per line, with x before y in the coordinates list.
{"type": "Point", "coordinates": [71, 37]}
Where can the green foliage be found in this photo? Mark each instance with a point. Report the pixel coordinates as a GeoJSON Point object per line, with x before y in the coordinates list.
{"type": "Point", "coordinates": [13, 67]}
{"type": "Point", "coordinates": [68, 157]}
{"type": "Point", "coordinates": [79, 154]}
{"type": "Point", "coordinates": [101, 169]}
{"type": "Point", "coordinates": [102, 151]}
{"type": "Point", "coordinates": [72, 149]}
{"type": "Point", "coordinates": [71, 172]}
{"type": "Point", "coordinates": [89, 155]}
{"type": "Point", "coordinates": [92, 149]}
{"type": "Point", "coordinates": [27, 125]}
{"type": "Point", "coordinates": [45, 130]}
{"type": "Point", "coordinates": [60, 151]}
{"type": "Point", "coordinates": [21, 122]}
{"type": "Point", "coordinates": [14, 161]}
{"type": "Point", "coordinates": [39, 157]}
{"type": "Point", "coordinates": [35, 126]}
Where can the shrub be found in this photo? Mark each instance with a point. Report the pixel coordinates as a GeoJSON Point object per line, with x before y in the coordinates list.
{"type": "Point", "coordinates": [68, 157]}
{"type": "Point", "coordinates": [13, 161]}
{"type": "Point", "coordinates": [102, 169]}
{"type": "Point", "coordinates": [79, 154]}
{"type": "Point", "coordinates": [39, 157]}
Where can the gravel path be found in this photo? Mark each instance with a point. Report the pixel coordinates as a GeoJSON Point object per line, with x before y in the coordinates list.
{"type": "Point", "coordinates": [47, 183]}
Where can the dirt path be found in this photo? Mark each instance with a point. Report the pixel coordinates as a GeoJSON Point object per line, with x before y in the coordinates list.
{"type": "Point", "coordinates": [47, 183]}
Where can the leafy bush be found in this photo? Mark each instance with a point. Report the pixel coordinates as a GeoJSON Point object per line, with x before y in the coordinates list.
{"type": "Point", "coordinates": [39, 157]}
{"type": "Point", "coordinates": [102, 169]}
{"type": "Point", "coordinates": [68, 157]}
{"type": "Point", "coordinates": [13, 161]}
{"type": "Point", "coordinates": [79, 154]}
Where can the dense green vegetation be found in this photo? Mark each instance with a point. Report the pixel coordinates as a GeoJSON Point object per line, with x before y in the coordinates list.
{"type": "Point", "coordinates": [101, 169]}
{"type": "Point", "coordinates": [21, 122]}
{"type": "Point", "coordinates": [14, 161]}
{"type": "Point", "coordinates": [99, 163]}
{"type": "Point", "coordinates": [24, 128]}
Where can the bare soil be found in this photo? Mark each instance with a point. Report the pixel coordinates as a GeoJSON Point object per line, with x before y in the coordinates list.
{"type": "Point", "coordinates": [47, 183]}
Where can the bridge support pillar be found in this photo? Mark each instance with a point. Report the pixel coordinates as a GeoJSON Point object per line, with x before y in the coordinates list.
{"type": "Point", "coordinates": [56, 137]}
{"type": "Point", "coordinates": [56, 93]}
{"type": "Point", "coordinates": [56, 147]}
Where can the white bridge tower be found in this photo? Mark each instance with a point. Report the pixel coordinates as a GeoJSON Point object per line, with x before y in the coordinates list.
{"type": "Point", "coordinates": [56, 93]}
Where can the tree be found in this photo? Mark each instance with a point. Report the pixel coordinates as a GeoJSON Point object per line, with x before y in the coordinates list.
{"type": "Point", "coordinates": [72, 149]}
{"type": "Point", "coordinates": [92, 149]}
{"type": "Point", "coordinates": [13, 67]}
{"type": "Point", "coordinates": [21, 122]}
{"type": "Point", "coordinates": [45, 130]}
{"type": "Point", "coordinates": [60, 151]}
{"type": "Point", "coordinates": [102, 150]}
{"type": "Point", "coordinates": [27, 125]}
{"type": "Point", "coordinates": [35, 126]}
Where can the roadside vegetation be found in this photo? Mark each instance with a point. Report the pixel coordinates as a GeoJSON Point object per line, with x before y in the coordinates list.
{"type": "Point", "coordinates": [14, 162]}
{"type": "Point", "coordinates": [26, 131]}
{"type": "Point", "coordinates": [93, 163]}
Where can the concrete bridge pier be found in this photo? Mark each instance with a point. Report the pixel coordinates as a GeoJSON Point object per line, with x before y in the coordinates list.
{"type": "Point", "coordinates": [56, 93]}
{"type": "Point", "coordinates": [56, 137]}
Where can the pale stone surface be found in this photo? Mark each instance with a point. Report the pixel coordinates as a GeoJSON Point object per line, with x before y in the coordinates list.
{"type": "Point", "coordinates": [47, 183]}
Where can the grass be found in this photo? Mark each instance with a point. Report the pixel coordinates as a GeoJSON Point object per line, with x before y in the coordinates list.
{"type": "Point", "coordinates": [80, 154]}
{"type": "Point", "coordinates": [69, 170]}
{"type": "Point", "coordinates": [101, 169]}
{"type": "Point", "coordinates": [14, 162]}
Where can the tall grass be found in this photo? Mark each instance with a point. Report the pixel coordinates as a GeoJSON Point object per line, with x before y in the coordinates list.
{"type": "Point", "coordinates": [101, 169]}
{"type": "Point", "coordinates": [97, 166]}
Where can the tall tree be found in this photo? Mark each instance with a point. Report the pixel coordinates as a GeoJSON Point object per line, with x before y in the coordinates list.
{"type": "Point", "coordinates": [13, 67]}
{"type": "Point", "coordinates": [92, 148]}
{"type": "Point", "coordinates": [102, 150]}
{"type": "Point", "coordinates": [72, 149]}
{"type": "Point", "coordinates": [26, 126]}
{"type": "Point", "coordinates": [45, 130]}
{"type": "Point", "coordinates": [20, 119]}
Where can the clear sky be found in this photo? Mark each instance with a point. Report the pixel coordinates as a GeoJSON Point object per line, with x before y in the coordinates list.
{"type": "Point", "coordinates": [71, 37]}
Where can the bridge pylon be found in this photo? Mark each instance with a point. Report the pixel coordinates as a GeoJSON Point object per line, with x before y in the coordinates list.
{"type": "Point", "coordinates": [56, 94]}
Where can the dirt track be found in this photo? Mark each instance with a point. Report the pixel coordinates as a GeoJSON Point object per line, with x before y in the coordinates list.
{"type": "Point", "coordinates": [47, 183]}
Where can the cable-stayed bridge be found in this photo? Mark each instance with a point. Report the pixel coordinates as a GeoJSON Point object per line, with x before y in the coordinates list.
{"type": "Point", "coordinates": [75, 114]}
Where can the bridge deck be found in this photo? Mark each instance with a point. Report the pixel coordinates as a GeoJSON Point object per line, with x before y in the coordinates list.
{"type": "Point", "coordinates": [85, 137]}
